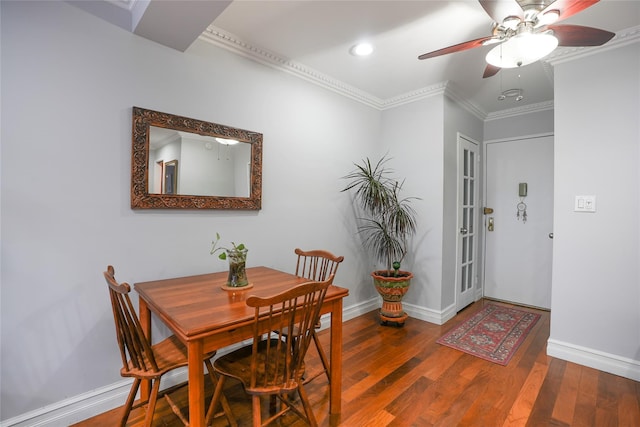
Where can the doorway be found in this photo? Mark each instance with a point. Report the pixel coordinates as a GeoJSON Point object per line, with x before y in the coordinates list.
{"type": "Point", "coordinates": [518, 225]}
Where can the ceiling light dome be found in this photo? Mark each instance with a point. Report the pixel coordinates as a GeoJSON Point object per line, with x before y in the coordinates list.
{"type": "Point", "coordinates": [522, 49]}
{"type": "Point", "coordinates": [227, 141]}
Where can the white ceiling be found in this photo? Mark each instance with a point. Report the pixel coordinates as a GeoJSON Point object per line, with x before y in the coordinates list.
{"type": "Point", "coordinates": [315, 36]}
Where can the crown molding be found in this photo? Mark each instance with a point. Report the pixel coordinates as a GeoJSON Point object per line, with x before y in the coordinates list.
{"type": "Point", "coordinates": [232, 43]}
{"type": "Point", "coordinates": [622, 38]}
{"type": "Point", "coordinates": [124, 4]}
{"type": "Point", "coordinates": [518, 111]}
{"type": "Point", "coordinates": [415, 95]}
{"type": "Point", "coordinates": [453, 94]}
{"type": "Point", "coordinates": [548, 71]}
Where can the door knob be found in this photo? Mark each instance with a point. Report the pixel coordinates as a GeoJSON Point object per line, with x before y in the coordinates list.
{"type": "Point", "coordinates": [490, 226]}
{"type": "Point", "coordinates": [551, 235]}
{"type": "Point", "coordinates": [463, 230]}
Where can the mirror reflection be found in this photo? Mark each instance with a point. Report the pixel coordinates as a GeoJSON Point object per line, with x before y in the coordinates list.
{"type": "Point", "coordinates": [184, 163]}
{"type": "Point", "coordinates": [209, 166]}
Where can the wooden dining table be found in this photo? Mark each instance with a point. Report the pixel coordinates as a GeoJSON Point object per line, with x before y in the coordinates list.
{"type": "Point", "coordinates": [206, 317]}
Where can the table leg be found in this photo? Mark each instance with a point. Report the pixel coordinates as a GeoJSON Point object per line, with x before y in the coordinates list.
{"type": "Point", "coordinates": [145, 321]}
{"type": "Point", "coordinates": [196, 384]}
{"type": "Point", "coordinates": [335, 391]}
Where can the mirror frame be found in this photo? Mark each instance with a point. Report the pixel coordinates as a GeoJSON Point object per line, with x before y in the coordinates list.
{"type": "Point", "coordinates": [140, 196]}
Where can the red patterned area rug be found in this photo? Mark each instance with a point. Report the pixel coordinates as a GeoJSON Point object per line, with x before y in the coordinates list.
{"type": "Point", "coordinates": [493, 334]}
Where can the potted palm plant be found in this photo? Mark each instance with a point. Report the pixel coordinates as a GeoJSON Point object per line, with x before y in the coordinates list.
{"type": "Point", "coordinates": [386, 223]}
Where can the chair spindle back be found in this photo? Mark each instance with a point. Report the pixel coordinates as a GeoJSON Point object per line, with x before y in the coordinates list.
{"type": "Point", "coordinates": [317, 264]}
{"type": "Point", "coordinates": [278, 363]}
{"type": "Point", "coordinates": [135, 350]}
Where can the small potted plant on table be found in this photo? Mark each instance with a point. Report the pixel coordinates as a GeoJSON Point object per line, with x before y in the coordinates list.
{"type": "Point", "coordinates": [237, 256]}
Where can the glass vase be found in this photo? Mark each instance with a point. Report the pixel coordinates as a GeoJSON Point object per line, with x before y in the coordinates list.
{"type": "Point", "coordinates": [237, 274]}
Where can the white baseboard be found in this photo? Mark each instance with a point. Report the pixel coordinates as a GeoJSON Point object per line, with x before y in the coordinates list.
{"type": "Point", "coordinates": [75, 409]}
{"type": "Point", "coordinates": [439, 317]}
{"type": "Point", "coordinates": [622, 366]}
{"type": "Point", "coordinates": [360, 309]}
{"type": "Point", "coordinates": [87, 405]}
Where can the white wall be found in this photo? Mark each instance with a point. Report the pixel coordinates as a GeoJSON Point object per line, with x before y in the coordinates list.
{"type": "Point", "coordinates": [595, 307]}
{"type": "Point", "coordinates": [421, 140]}
{"type": "Point", "coordinates": [412, 135]}
{"type": "Point", "coordinates": [69, 81]}
{"type": "Point", "coordinates": [517, 125]}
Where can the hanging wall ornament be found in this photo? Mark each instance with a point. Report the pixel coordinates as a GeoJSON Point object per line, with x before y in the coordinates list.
{"type": "Point", "coordinates": [522, 212]}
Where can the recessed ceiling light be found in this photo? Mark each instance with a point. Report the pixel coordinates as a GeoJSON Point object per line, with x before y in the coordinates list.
{"type": "Point", "coordinates": [361, 49]}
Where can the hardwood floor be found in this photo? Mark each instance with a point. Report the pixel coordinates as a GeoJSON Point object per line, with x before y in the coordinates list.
{"type": "Point", "coordinates": [401, 377]}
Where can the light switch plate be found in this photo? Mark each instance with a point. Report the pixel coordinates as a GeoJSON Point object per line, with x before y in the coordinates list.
{"type": "Point", "coordinates": [585, 204]}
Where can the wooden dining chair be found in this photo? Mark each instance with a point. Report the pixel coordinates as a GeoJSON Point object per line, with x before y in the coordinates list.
{"type": "Point", "coordinates": [317, 265]}
{"type": "Point", "coordinates": [274, 366]}
{"type": "Point", "coordinates": [143, 361]}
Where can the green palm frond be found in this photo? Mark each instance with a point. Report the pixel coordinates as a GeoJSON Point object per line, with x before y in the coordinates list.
{"type": "Point", "coordinates": [389, 220]}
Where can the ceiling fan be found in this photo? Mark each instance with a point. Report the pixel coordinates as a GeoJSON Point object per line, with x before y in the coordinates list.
{"type": "Point", "coordinates": [525, 31]}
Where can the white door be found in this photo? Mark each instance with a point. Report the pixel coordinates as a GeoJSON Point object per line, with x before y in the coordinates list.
{"type": "Point", "coordinates": [518, 233]}
{"type": "Point", "coordinates": [466, 271]}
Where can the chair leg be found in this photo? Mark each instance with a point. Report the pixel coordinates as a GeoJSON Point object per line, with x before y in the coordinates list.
{"type": "Point", "coordinates": [323, 356]}
{"type": "Point", "coordinates": [307, 406]}
{"type": "Point", "coordinates": [223, 400]}
{"type": "Point", "coordinates": [219, 396]}
{"type": "Point", "coordinates": [255, 404]}
{"type": "Point", "coordinates": [148, 419]}
{"type": "Point", "coordinates": [129, 404]}
{"type": "Point", "coordinates": [273, 401]}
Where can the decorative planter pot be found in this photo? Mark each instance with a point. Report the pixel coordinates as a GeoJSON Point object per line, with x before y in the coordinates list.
{"type": "Point", "coordinates": [237, 274]}
{"type": "Point", "coordinates": [392, 289]}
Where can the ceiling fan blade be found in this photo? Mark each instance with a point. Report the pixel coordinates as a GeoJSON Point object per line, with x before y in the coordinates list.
{"type": "Point", "coordinates": [577, 35]}
{"type": "Point", "coordinates": [456, 48]}
{"type": "Point", "coordinates": [500, 9]}
{"type": "Point", "coordinates": [568, 8]}
{"type": "Point", "coordinates": [491, 70]}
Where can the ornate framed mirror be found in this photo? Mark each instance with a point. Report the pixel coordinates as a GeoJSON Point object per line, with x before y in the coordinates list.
{"type": "Point", "coordinates": [220, 166]}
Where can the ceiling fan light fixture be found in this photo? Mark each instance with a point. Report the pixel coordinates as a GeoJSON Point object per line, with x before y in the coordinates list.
{"type": "Point", "coordinates": [511, 22]}
{"type": "Point", "coordinates": [361, 49]}
{"type": "Point", "coordinates": [548, 17]}
{"type": "Point", "coordinates": [493, 40]}
{"type": "Point", "coordinates": [522, 49]}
